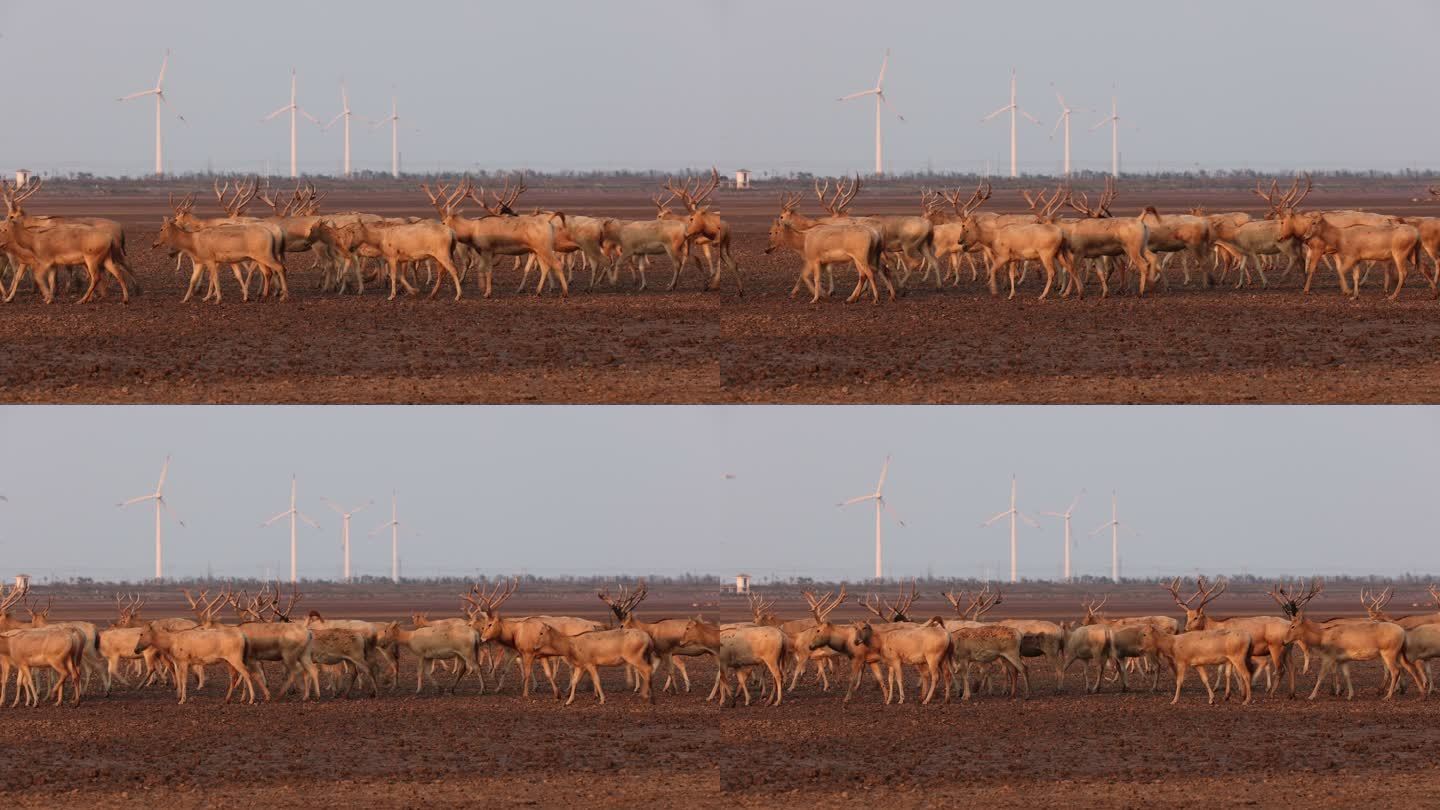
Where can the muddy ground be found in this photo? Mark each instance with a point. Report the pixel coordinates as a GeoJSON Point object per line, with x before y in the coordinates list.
{"type": "Point", "coordinates": [1184, 345]}
{"type": "Point", "coordinates": [1104, 750]}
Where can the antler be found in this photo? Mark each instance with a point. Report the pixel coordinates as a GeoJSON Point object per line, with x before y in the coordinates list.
{"type": "Point", "coordinates": [872, 603]}
{"type": "Point", "coordinates": [240, 197]}
{"type": "Point", "coordinates": [490, 601]}
{"type": "Point", "coordinates": [443, 199]}
{"type": "Point", "coordinates": [1290, 603]}
{"type": "Point", "coordinates": [837, 204]}
{"type": "Point", "coordinates": [955, 598]}
{"type": "Point", "coordinates": [789, 201]}
{"type": "Point", "coordinates": [820, 608]}
{"type": "Point", "coordinates": [1374, 604]}
{"type": "Point", "coordinates": [759, 607]}
{"type": "Point", "coordinates": [14, 195]}
{"type": "Point", "coordinates": [899, 612]}
{"type": "Point", "coordinates": [8, 601]}
{"type": "Point", "coordinates": [985, 602]}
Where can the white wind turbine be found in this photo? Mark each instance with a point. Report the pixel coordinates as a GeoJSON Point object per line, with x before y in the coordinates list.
{"type": "Point", "coordinates": [393, 524]}
{"type": "Point", "coordinates": [1114, 121]}
{"type": "Point", "coordinates": [158, 91]}
{"type": "Point", "coordinates": [158, 496]}
{"type": "Point", "coordinates": [292, 513]}
{"type": "Point", "coordinates": [293, 108]}
{"type": "Point", "coordinates": [881, 505]}
{"type": "Point", "coordinates": [1013, 108]}
{"type": "Point", "coordinates": [1065, 111]}
{"type": "Point", "coordinates": [878, 91]}
{"type": "Point", "coordinates": [1114, 525]}
{"type": "Point", "coordinates": [345, 528]}
{"type": "Point", "coordinates": [1066, 517]}
{"type": "Point", "coordinates": [1014, 514]}
{"type": "Point", "coordinates": [344, 115]}
{"type": "Point", "coordinates": [393, 119]}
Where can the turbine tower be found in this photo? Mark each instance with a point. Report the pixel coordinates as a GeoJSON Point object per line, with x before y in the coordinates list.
{"type": "Point", "coordinates": [345, 529]}
{"type": "Point", "coordinates": [1114, 122]}
{"type": "Point", "coordinates": [1066, 517]}
{"type": "Point", "coordinates": [158, 496]}
{"type": "Point", "coordinates": [344, 115]}
{"type": "Point", "coordinates": [881, 505]}
{"type": "Point", "coordinates": [1013, 108]}
{"type": "Point", "coordinates": [393, 524]}
{"type": "Point", "coordinates": [878, 91]}
{"type": "Point", "coordinates": [1065, 111]}
{"type": "Point", "coordinates": [1114, 525]}
{"type": "Point", "coordinates": [1014, 514]}
{"type": "Point", "coordinates": [158, 91]}
{"type": "Point", "coordinates": [292, 513]}
{"type": "Point", "coordinates": [293, 108]}
{"type": "Point", "coordinates": [394, 120]}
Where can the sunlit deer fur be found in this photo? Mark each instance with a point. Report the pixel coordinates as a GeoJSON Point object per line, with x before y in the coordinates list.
{"type": "Point", "coordinates": [235, 244]}
{"type": "Point", "coordinates": [587, 652]}
{"type": "Point", "coordinates": [1201, 648]}
{"type": "Point", "coordinates": [202, 646]}
{"type": "Point", "coordinates": [666, 633]}
{"type": "Point", "coordinates": [1343, 644]}
{"type": "Point", "coordinates": [58, 648]}
{"type": "Point", "coordinates": [826, 244]}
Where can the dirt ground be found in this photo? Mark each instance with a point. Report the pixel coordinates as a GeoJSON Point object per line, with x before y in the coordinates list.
{"type": "Point", "coordinates": [1184, 345]}
{"type": "Point", "coordinates": [1106, 750]}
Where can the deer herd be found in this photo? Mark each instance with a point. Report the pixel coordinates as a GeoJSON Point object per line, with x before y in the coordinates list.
{"type": "Point", "coordinates": [404, 254]}
{"type": "Point", "coordinates": [966, 652]}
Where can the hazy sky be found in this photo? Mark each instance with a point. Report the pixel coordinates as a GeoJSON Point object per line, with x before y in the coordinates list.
{"type": "Point", "coordinates": [553, 490]}
{"type": "Point", "coordinates": [666, 83]}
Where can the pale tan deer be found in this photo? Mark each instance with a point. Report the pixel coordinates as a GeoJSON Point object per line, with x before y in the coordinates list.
{"type": "Point", "coordinates": [235, 244]}
{"type": "Point", "coordinates": [278, 639]}
{"type": "Point", "coordinates": [666, 633]}
{"type": "Point", "coordinates": [1341, 645]}
{"type": "Point", "coordinates": [1267, 633]}
{"type": "Point", "coordinates": [736, 649]}
{"type": "Point", "coordinates": [57, 648]}
{"type": "Point", "coordinates": [1199, 649]}
{"type": "Point", "coordinates": [707, 230]}
{"type": "Point", "coordinates": [587, 652]}
{"type": "Point", "coordinates": [1100, 235]}
{"type": "Point", "coordinates": [202, 646]}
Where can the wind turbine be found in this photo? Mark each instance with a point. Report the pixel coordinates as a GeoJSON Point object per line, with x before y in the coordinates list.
{"type": "Point", "coordinates": [292, 513]}
{"type": "Point", "coordinates": [1114, 122]}
{"type": "Point", "coordinates": [394, 120]}
{"type": "Point", "coordinates": [1065, 110]}
{"type": "Point", "coordinates": [345, 528]}
{"type": "Point", "coordinates": [1114, 525]}
{"type": "Point", "coordinates": [292, 108]}
{"type": "Point", "coordinates": [158, 91]}
{"type": "Point", "coordinates": [1066, 517]}
{"type": "Point", "coordinates": [158, 496]}
{"type": "Point", "coordinates": [393, 524]}
{"type": "Point", "coordinates": [1013, 108]}
{"type": "Point", "coordinates": [345, 115]}
{"type": "Point", "coordinates": [1013, 514]}
{"type": "Point", "coordinates": [881, 505]}
{"type": "Point", "coordinates": [878, 91]}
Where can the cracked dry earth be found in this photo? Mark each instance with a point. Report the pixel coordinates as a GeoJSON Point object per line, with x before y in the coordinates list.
{"type": "Point", "coordinates": [1184, 345]}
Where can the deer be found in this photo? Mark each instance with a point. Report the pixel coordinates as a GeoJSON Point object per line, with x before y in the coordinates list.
{"type": "Point", "coordinates": [1092, 643]}
{"type": "Point", "coordinates": [800, 632]}
{"type": "Point", "coordinates": [1397, 243]}
{"type": "Point", "coordinates": [1267, 633]}
{"type": "Point", "coordinates": [408, 242]}
{"type": "Point", "coordinates": [826, 244]}
{"type": "Point", "coordinates": [844, 639]}
{"type": "Point", "coordinates": [210, 247]}
{"type": "Point", "coordinates": [440, 642]}
{"type": "Point", "coordinates": [201, 646]}
{"type": "Point", "coordinates": [1100, 235]}
{"type": "Point", "coordinates": [910, 239]}
{"type": "Point", "coordinates": [351, 650]}
{"type": "Point", "coordinates": [48, 247]}
{"type": "Point", "coordinates": [949, 227]}
{"type": "Point", "coordinates": [736, 649]}
{"type": "Point", "coordinates": [59, 649]}
{"type": "Point", "coordinates": [705, 228]}
{"type": "Point", "coordinates": [587, 652]}
{"type": "Point", "coordinates": [1176, 234]}
{"type": "Point", "coordinates": [666, 633]}
{"type": "Point", "coordinates": [983, 643]}
{"type": "Point", "coordinates": [92, 663]}
{"type": "Point", "coordinates": [1341, 645]}
{"type": "Point", "coordinates": [278, 639]}
{"type": "Point", "coordinates": [1126, 637]}
{"type": "Point", "coordinates": [640, 239]}
{"type": "Point", "coordinates": [117, 642]}
{"type": "Point", "coordinates": [505, 233]}
{"type": "Point", "coordinates": [14, 197]}
{"type": "Point", "coordinates": [518, 634]}
{"type": "Point", "coordinates": [1199, 649]}
{"type": "Point", "coordinates": [1038, 239]}
{"type": "Point", "coordinates": [377, 655]}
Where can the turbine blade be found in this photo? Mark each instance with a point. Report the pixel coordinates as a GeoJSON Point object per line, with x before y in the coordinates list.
{"type": "Point", "coordinates": [1101, 124]}
{"type": "Point", "coordinates": [1063, 105]}
{"type": "Point", "coordinates": [387, 524]}
{"type": "Point", "coordinates": [1075, 502]}
{"type": "Point", "coordinates": [164, 63]}
{"type": "Point", "coordinates": [869, 92]}
{"type": "Point", "coordinates": [1004, 514]}
{"type": "Point", "coordinates": [856, 500]}
{"type": "Point", "coordinates": [1033, 119]}
{"type": "Point", "coordinates": [286, 108]}
{"type": "Point", "coordinates": [136, 500]}
{"type": "Point", "coordinates": [332, 504]}
{"type": "Point", "coordinates": [164, 468]}
{"type": "Point", "coordinates": [1006, 108]}
{"type": "Point", "coordinates": [884, 63]}
{"type": "Point", "coordinates": [337, 117]}
{"type": "Point", "coordinates": [1033, 523]}
{"type": "Point", "coordinates": [312, 118]}
{"type": "Point", "coordinates": [307, 519]}
{"type": "Point", "coordinates": [1102, 527]}
{"type": "Point", "coordinates": [1056, 128]}
{"type": "Point", "coordinates": [286, 513]}
{"type": "Point", "coordinates": [890, 107]}
{"type": "Point", "coordinates": [164, 504]}
{"type": "Point", "coordinates": [884, 469]}
{"type": "Point", "coordinates": [891, 511]}
{"type": "Point", "coordinates": [136, 95]}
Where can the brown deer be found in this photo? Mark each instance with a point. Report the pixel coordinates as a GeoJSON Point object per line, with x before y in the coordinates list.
{"type": "Point", "coordinates": [1343, 644]}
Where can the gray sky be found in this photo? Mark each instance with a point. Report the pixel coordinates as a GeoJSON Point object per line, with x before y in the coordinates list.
{"type": "Point", "coordinates": [667, 83]}
{"type": "Point", "coordinates": [553, 490]}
